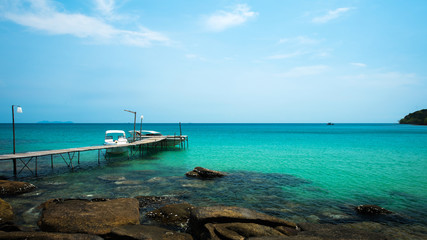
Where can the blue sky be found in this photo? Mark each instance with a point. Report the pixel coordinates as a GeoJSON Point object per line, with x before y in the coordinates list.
{"type": "Point", "coordinates": [213, 61]}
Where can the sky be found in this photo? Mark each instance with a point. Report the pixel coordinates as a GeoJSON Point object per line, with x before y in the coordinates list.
{"type": "Point", "coordinates": [213, 61]}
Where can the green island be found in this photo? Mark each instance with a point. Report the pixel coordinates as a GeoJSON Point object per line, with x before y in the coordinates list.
{"type": "Point", "coordinates": [417, 118]}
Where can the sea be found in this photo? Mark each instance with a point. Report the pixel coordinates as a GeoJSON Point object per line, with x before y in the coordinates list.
{"type": "Point", "coordinates": [299, 172]}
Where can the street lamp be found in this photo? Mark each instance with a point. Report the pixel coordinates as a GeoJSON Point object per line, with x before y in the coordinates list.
{"type": "Point", "coordinates": [140, 128]}
{"type": "Point", "coordinates": [18, 110]}
{"type": "Point", "coordinates": [134, 122]}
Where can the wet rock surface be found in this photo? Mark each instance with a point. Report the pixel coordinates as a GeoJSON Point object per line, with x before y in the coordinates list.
{"type": "Point", "coordinates": [10, 188]}
{"type": "Point", "coordinates": [204, 173]}
{"type": "Point", "coordinates": [6, 212]}
{"type": "Point", "coordinates": [96, 216]}
{"type": "Point", "coordinates": [221, 222]}
{"type": "Point", "coordinates": [175, 214]}
{"type": "Point", "coordinates": [143, 232]}
{"type": "Point", "coordinates": [372, 210]}
{"type": "Point", "coordinates": [46, 236]}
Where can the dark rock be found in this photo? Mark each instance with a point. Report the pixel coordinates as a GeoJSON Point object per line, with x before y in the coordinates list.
{"type": "Point", "coordinates": [6, 212]}
{"type": "Point", "coordinates": [372, 210]}
{"type": "Point", "coordinates": [155, 202]}
{"type": "Point", "coordinates": [142, 232]}
{"type": "Point", "coordinates": [204, 173]}
{"type": "Point", "coordinates": [204, 222]}
{"type": "Point", "coordinates": [46, 236]}
{"type": "Point", "coordinates": [174, 214]}
{"type": "Point", "coordinates": [14, 187]}
{"type": "Point", "coordinates": [238, 230]}
{"type": "Point", "coordinates": [84, 216]}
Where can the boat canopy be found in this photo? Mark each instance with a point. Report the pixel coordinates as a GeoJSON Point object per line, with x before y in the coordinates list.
{"type": "Point", "coordinates": [115, 131]}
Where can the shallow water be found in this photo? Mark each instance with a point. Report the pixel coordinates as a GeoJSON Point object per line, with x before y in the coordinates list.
{"type": "Point", "coordinates": [301, 172]}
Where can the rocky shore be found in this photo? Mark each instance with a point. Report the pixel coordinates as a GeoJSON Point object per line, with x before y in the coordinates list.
{"type": "Point", "coordinates": [165, 217]}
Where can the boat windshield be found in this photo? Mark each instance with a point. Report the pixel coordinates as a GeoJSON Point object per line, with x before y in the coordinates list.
{"type": "Point", "coordinates": [114, 136]}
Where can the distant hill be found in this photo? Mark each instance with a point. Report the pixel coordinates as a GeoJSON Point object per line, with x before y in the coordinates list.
{"type": "Point", "coordinates": [54, 122]}
{"type": "Point", "coordinates": [417, 118]}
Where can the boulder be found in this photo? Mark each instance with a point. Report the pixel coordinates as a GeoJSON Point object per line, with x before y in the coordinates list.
{"type": "Point", "coordinates": [14, 187]}
{"type": "Point", "coordinates": [97, 216]}
{"type": "Point", "coordinates": [6, 213]}
{"type": "Point", "coordinates": [231, 222]}
{"type": "Point", "coordinates": [142, 232]}
{"type": "Point", "coordinates": [173, 214]}
{"type": "Point", "coordinates": [204, 173]}
{"type": "Point", "coordinates": [371, 210]}
{"type": "Point", "coordinates": [46, 236]}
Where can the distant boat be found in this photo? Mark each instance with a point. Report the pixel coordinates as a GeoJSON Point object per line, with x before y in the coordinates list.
{"type": "Point", "coordinates": [329, 123]}
{"type": "Point", "coordinates": [116, 137]}
{"type": "Point", "coordinates": [171, 141]}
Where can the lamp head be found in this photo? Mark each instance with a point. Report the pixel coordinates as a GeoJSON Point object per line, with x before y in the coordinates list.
{"type": "Point", "coordinates": [19, 109]}
{"type": "Point", "coordinates": [142, 117]}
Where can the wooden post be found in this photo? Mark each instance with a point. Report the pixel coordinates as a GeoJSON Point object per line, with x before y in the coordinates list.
{"type": "Point", "coordinates": [36, 167]}
{"type": "Point", "coordinates": [51, 161]}
{"type": "Point", "coordinates": [78, 158]}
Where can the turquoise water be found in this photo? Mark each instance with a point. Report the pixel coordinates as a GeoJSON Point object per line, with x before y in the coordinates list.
{"type": "Point", "coordinates": [302, 172]}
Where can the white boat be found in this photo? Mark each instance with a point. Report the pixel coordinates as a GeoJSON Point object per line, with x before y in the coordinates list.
{"type": "Point", "coordinates": [116, 137]}
{"type": "Point", "coordinates": [171, 141]}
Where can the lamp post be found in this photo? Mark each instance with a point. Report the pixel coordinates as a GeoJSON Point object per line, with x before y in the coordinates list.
{"type": "Point", "coordinates": [134, 122]}
{"type": "Point", "coordinates": [18, 110]}
{"type": "Point", "coordinates": [140, 128]}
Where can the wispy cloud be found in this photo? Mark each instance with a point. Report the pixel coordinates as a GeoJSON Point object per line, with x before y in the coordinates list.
{"type": "Point", "coordinates": [106, 7]}
{"type": "Point", "coordinates": [194, 57]}
{"type": "Point", "coordinates": [222, 20]}
{"type": "Point", "coordinates": [330, 15]}
{"type": "Point", "coordinates": [304, 71]}
{"type": "Point", "coordinates": [284, 56]}
{"type": "Point", "coordinates": [42, 15]}
{"type": "Point", "coordinates": [356, 64]}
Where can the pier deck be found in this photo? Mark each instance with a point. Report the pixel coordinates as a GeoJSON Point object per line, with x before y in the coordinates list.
{"type": "Point", "coordinates": [68, 154]}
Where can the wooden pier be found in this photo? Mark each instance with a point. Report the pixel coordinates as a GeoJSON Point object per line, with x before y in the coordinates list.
{"type": "Point", "coordinates": [69, 154]}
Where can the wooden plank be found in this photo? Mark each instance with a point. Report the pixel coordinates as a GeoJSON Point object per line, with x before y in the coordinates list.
{"type": "Point", "coordinates": [80, 149]}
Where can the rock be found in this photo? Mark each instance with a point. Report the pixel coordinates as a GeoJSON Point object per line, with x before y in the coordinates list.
{"type": "Point", "coordinates": [96, 216]}
{"type": "Point", "coordinates": [174, 214]}
{"type": "Point", "coordinates": [14, 187]}
{"type": "Point", "coordinates": [204, 221]}
{"type": "Point", "coordinates": [141, 232]}
{"type": "Point", "coordinates": [155, 202]}
{"type": "Point", "coordinates": [6, 213]}
{"type": "Point", "coordinates": [204, 173]}
{"type": "Point", "coordinates": [46, 236]}
{"type": "Point", "coordinates": [112, 178]}
{"type": "Point", "coordinates": [239, 230]}
{"type": "Point", "coordinates": [371, 210]}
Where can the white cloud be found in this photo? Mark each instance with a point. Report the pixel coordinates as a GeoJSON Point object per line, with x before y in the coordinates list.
{"type": "Point", "coordinates": [222, 20]}
{"type": "Point", "coordinates": [194, 57]}
{"type": "Point", "coordinates": [358, 64]}
{"type": "Point", "coordinates": [301, 40]}
{"type": "Point", "coordinates": [43, 16]}
{"type": "Point", "coordinates": [304, 71]}
{"type": "Point", "coordinates": [284, 56]}
{"type": "Point", "coordinates": [106, 7]}
{"type": "Point", "coordinates": [330, 15]}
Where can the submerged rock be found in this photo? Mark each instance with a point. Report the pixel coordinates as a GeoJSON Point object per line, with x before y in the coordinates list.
{"type": "Point", "coordinates": [97, 216]}
{"type": "Point", "coordinates": [204, 173]}
{"type": "Point", "coordinates": [6, 212]}
{"type": "Point", "coordinates": [46, 236]}
{"type": "Point", "coordinates": [236, 223]}
{"type": "Point", "coordinates": [372, 210]}
{"type": "Point", "coordinates": [173, 214]}
{"type": "Point", "coordinates": [112, 178]}
{"type": "Point", "coordinates": [146, 232]}
{"type": "Point", "coordinates": [147, 202]}
{"type": "Point", "coordinates": [14, 188]}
